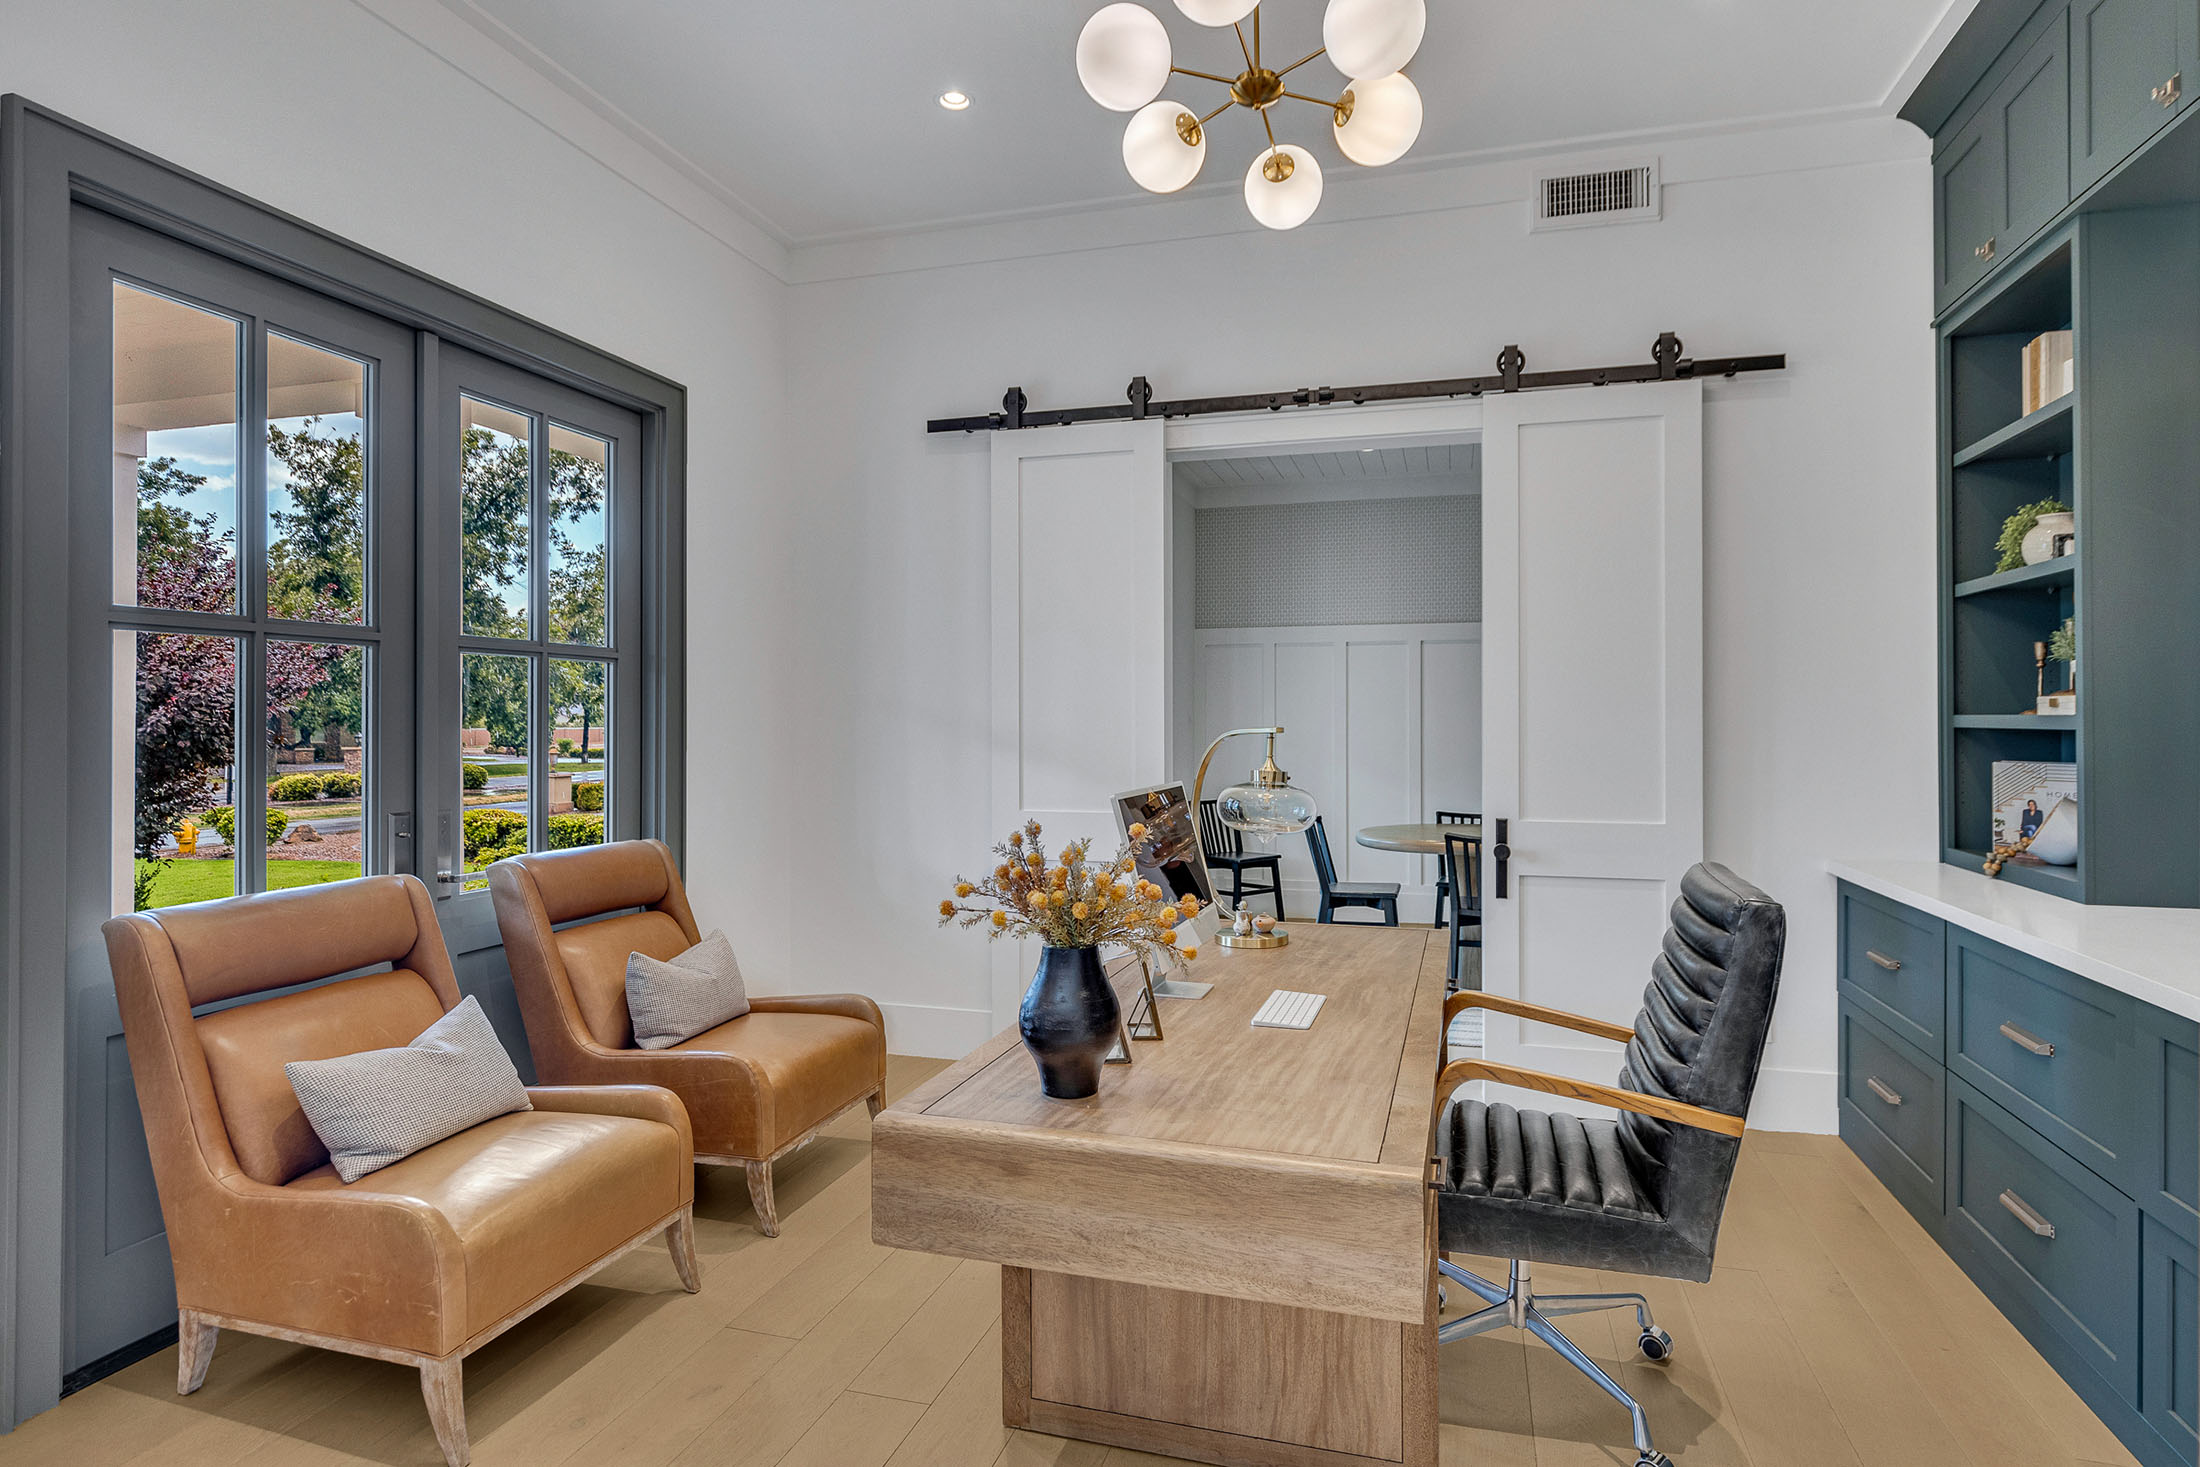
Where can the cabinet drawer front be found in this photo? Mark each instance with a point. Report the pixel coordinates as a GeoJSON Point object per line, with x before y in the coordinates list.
{"type": "Point", "coordinates": [2169, 1337]}
{"type": "Point", "coordinates": [2125, 54]}
{"type": "Point", "coordinates": [2054, 1048]}
{"type": "Point", "coordinates": [2046, 1232]}
{"type": "Point", "coordinates": [1893, 963]}
{"type": "Point", "coordinates": [1898, 1099]}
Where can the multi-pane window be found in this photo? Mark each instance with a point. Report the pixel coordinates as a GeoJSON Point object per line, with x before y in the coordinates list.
{"type": "Point", "coordinates": [242, 639]}
{"type": "Point", "coordinates": [537, 660]}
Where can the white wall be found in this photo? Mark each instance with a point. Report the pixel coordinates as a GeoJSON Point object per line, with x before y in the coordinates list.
{"type": "Point", "coordinates": [1811, 241]}
{"type": "Point", "coordinates": [449, 163]}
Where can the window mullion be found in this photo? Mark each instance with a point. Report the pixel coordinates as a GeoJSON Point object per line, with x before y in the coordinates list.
{"type": "Point", "coordinates": [249, 810]}
{"type": "Point", "coordinates": [538, 666]}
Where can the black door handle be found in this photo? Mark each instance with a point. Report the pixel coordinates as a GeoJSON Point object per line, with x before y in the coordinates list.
{"type": "Point", "coordinates": [1501, 854]}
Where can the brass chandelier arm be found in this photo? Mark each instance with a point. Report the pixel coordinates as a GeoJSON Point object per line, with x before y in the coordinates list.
{"type": "Point", "coordinates": [1264, 122]}
{"type": "Point", "coordinates": [1302, 97]}
{"type": "Point", "coordinates": [1228, 81]}
{"type": "Point", "coordinates": [1309, 56]}
{"type": "Point", "coordinates": [1210, 117]}
{"type": "Point", "coordinates": [1239, 27]}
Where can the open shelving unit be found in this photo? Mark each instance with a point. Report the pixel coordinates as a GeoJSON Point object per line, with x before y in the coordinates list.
{"type": "Point", "coordinates": [2124, 453]}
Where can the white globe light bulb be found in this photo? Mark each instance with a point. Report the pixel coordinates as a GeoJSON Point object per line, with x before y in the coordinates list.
{"type": "Point", "coordinates": [1218, 12]}
{"type": "Point", "coordinates": [1287, 201]}
{"type": "Point", "coordinates": [1373, 37]}
{"type": "Point", "coordinates": [1386, 118]}
{"type": "Point", "coordinates": [1123, 56]}
{"type": "Point", "coordinates": [1164, 146]}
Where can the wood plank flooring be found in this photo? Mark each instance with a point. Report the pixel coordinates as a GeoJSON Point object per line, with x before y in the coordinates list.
{"type": "Point", "coordinates": [1834, 1334]}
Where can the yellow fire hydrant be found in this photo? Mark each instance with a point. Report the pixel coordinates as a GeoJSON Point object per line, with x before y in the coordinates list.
{"type": "Point", "coordinates": [187, 838]}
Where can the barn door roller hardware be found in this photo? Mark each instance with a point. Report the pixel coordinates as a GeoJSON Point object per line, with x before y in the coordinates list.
{"type": "Point", "coordinates": [1666, 365]}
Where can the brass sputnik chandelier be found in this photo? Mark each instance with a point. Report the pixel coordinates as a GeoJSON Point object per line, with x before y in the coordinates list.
{"type": "Point", "coordinates": [1124, 60]}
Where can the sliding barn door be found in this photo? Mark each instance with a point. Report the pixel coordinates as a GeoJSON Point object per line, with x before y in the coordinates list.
{"type": "Point", "coordinates": [1592, 507]}
{"type": "Point", "coordinates": [1080, 629]}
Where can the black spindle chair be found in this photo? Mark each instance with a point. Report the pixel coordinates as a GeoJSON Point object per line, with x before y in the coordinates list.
{"type": "Point", "coordinates": [1463, 869]}
{"type": "Point", "coordinates": [1381, 895]}
{"type": "Point", "coordinates": [1225, 850]}
{"type": "Point", "coordinates": [1443, 875]}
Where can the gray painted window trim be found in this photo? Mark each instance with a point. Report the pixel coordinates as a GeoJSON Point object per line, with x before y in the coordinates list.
{"type": "Point", "coordinates": [48, 165]}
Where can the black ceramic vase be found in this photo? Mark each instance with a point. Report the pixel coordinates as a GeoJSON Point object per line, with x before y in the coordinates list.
{"type": "Point", "coordinates": [1070, 1020]}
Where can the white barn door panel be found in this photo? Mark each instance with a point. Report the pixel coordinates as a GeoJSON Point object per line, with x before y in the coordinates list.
{"type": "Point", "coordinates": [1080, 622]}
{"type": "Point", "coordinates": [1592, 507]}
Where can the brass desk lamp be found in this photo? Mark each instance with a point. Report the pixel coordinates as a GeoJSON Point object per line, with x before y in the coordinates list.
{"type": "Point", "coordinates": [1266, 805]}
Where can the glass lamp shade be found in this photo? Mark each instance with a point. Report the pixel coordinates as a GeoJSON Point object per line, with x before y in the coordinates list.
{"type": "Point", "coordinates": [1264, 811]}
{"type": "Point", "coordinates": [1373, 37]}
{"type": "Point", "coordinates": [1154, 149]}
{"type": "Point", "coordinates": [1123, 56]}
{"type": "Point", "coordinates": [1288, 202]}
{"type": "Point", "coordinates": [1218, 12]}
{"type": "Point", "coordinates": [1386, 118]}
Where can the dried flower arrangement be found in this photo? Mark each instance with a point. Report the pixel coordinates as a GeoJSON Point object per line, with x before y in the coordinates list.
{"type": "Point", "coordinates": [1074, 901]}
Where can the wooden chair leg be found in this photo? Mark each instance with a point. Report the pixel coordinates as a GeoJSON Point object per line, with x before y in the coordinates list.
{"type": "Point", "coordinates": [680, 1239]}
{"type": "Point", "coordinates": [442, 1385]}
{"type": "Point", "coordinates": [760, 1193]}
{"type": "Point", "coordinates": [875, 1102]}
{"type": "Point", "coordinates": [194, 1350]}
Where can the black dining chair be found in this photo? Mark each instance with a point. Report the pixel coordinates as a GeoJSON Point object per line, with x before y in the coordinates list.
{"type": "Point", "coordinates": [1463, 873]}
{"type": "Point", "coordinates": [1225, 851]}
{"type": "Point", "coordinates": [1443, 876]}
{"type": "Point", "coordinates": [1381, 895]}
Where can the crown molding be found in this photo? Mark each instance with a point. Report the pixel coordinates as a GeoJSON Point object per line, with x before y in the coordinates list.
{"type": "Point", "coordinates": [1928, 51]}
{"type": "Point", "coordinates": [1851, 137]}
{"type": "Point", "coordinates": [475, 45]}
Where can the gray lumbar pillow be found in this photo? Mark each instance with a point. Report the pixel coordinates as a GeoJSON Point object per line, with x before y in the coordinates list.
{"type": "Point", "coordinates": [678, 999]}
{"type": "Point", "coordinates": [382, 1105]}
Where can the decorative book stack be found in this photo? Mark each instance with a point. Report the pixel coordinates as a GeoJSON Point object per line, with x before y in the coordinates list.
{"type": "Point", "coordinates": [2050, 369]}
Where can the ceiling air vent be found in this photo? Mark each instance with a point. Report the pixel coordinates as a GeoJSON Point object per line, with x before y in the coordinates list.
{"type": "Point", "coordinates": [1606, 196]}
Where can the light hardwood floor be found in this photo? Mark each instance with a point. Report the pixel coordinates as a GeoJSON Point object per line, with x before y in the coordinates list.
{"type": "Point", "coordinates": [1834, 1335]}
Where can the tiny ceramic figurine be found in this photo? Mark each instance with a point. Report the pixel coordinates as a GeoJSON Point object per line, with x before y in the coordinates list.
{"type": "Point", "coordinates": [1242, 924]}
{"type": "Point", "coordinates": [1264, 924]}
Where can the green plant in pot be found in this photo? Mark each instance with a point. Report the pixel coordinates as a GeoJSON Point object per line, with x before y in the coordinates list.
{"type": "Point", "coordinates": [2013, 530]}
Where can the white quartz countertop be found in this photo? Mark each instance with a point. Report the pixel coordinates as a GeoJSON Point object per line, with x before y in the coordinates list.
{"type": "Point", "coordinates": [2151, 953]}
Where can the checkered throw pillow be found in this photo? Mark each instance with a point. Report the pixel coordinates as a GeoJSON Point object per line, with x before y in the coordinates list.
{"type": "Point", "coordinates": [382, 1105]}
{"type": "Point", "coordinates": [671, 1001]}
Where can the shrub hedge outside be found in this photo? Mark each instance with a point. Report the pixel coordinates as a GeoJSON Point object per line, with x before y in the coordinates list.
{"type": "Point", "coordinates": [588, 797]}
{"type": "Point", "coordinates": [474, 777]}
{"type": "Point", "coordinates": [292, 788]}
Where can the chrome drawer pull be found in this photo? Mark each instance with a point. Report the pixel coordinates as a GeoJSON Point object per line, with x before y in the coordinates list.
{"type": "Point", "coordinates": [1879, 1088]}
{"type": "Point", "coordinates": [2024, 1039]}
{"type": "Point", "coordinates": [2022, 1211]}
{"type": "Point", "coordinates": [1883, 960]}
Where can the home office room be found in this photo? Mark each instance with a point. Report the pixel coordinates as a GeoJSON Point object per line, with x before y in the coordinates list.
{"type": "Point", "coordinates": [1287, 735]}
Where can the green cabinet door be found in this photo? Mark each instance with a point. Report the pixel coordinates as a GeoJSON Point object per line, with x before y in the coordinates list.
{"type": "Point", "coordinates": [2004, 173]}
{"type": "Point", "coordinates": [2129, 75]}
{"type": "Point", "coordinates": [1973, 206]}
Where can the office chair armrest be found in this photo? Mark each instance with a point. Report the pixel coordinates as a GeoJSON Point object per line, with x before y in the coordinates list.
{"type": "Point", "coordinates": [1459, 1072]}
{"type": "Point", "coordinates": [1496, 1004]}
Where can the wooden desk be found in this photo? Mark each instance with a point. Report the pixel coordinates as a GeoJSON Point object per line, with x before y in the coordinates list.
{"type": "Point", "coordinates": [1224, 1255]}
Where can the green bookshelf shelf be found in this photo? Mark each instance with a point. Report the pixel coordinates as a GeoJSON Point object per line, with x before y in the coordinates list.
{"type": "Point", "coordinates": [2048, 433]}
{"type": "Point", "coordinates": [2047, 575]}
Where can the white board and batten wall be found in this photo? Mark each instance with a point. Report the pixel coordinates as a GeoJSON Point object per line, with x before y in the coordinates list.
{"type": "Point", "coordinates": [1354, 624]}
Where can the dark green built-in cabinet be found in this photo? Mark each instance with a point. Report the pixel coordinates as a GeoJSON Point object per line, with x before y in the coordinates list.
{"type": "Point", "coordinates": [2044, 1128]}
{"type": "Point", "coordinates": [2067, 197]}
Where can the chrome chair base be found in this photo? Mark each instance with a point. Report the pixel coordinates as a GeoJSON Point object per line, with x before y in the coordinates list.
{"type": "Point", "coordinates": [1516, 1305]}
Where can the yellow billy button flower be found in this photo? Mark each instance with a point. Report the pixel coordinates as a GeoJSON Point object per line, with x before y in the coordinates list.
{"type": "Point", "coordinates": [1168, 938]}
{"type": "Point", "coordinates": [1000, 919]}
{"type": "Point", "coordinates": [947, 909]}
{"type": "Point", "coordinates": [1138, 832]}
{"type": "Point", "coordinates": [1016, 839]}
{"type": "Point", "coordinates": [1190, 953]}
{"type": "Point", "coordinates": [1079, 912]}
{"type": "Point", "coordinates": [1035, 861]}
{"type": "Point", "coordinates": [964, 888]}
{"type": "Point", "coordinates": [1189, 906]}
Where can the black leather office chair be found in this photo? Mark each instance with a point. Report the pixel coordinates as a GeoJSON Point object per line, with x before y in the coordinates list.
{"type": "Point", "coordinates": [1463, 874]}
{"type": "Point", "coordinates": [1225, 850]}
{"type": "Point", "coordinates": [1381, 895]}
{"type": "Point", "coordinates": [1443, 876]}
{"type": "Point", "coordinates": [1641, 1195]}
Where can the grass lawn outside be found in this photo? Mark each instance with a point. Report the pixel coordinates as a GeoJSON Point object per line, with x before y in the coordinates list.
{"type": "Point", "coordinates": [561, 766]}
{"type": "Point", "coordinates": [204, 881]}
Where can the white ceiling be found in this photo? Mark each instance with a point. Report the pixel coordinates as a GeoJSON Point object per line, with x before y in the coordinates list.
{"type": "Point", "coordinates": [819, 118]}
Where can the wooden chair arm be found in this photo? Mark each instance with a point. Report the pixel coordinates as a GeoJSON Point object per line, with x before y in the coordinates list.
{"type": "Point", "coordinates": [1459, 1072]}
{"type": "Point", "coordinates": [1460, 1002]}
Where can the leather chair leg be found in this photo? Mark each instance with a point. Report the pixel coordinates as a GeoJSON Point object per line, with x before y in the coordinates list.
{"type": "Point", "coordinates": [760, 1194]}
{"type": "Point", "coordinates": [442, 1385]}
{"type": "Point", "coordinates": [194, 1350]}
{"type": "Point", "coordinates": [680, 1240]}
{"type": "Point", "coordinates": [875, 1103]}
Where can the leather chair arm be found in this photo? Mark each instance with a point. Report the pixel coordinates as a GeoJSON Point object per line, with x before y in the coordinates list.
{"type": "Point", "coordinates": [640, 1102]}
{"type": "Point", "coordinates": [1459, 1072]}
{"type": "Point", "coordinates": [1458, 1003]}
{"type": "Point", "coordinates": [847, 1005]}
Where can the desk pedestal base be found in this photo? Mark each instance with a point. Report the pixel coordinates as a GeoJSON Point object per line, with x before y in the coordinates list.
{"type": "Point", "coordinates": [1214, 1379]}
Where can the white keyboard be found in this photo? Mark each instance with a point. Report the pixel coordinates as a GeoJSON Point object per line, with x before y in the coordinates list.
{"type": "Point", "coordinates": [1288, 1010]}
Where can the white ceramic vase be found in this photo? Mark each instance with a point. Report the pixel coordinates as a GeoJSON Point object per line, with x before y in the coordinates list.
{"type": "Point", "coordinates": [2057, 841]}
{"type": "Point", "coordinates": [2039, 541]}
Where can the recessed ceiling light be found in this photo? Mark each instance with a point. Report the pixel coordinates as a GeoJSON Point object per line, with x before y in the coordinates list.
{"type": "Point", "coordinates": [955, 101]}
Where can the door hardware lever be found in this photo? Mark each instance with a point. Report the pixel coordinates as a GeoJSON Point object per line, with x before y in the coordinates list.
{"type": "Point", "coordinates": [1501, 853]}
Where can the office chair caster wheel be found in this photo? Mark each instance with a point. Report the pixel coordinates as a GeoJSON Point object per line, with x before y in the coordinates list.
{"type": "Point", "coordinates": [1440, 1300]}
{"type": "Point", "coordinates": [1657, 1347]}
{"type": "Point", "coordinates": [1653, 1459]}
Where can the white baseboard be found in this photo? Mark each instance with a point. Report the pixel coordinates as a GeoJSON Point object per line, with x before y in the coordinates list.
{"type": "Point", "coordinates": [927, 1032]}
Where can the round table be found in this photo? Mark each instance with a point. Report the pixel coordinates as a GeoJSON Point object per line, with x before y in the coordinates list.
{"type": "Point", "coordinates": [1413, 840]}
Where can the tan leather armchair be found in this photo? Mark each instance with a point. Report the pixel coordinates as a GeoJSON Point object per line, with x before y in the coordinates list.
{"type": "Point", "coordinates": [756, 1088]}
{"type": "Point", "coordinates": [424, 1261]}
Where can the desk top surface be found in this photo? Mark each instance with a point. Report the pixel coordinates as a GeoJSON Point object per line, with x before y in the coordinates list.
{"type": "Point", "coordinates": [1354, 1088]}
